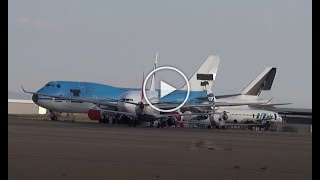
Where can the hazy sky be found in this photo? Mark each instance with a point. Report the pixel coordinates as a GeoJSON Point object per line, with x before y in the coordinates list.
{"type": "Point", "coordinates": [113, 42]}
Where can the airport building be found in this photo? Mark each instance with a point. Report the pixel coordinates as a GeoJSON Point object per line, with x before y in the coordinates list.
{"type": "Point", "coordinates": [18, 106]}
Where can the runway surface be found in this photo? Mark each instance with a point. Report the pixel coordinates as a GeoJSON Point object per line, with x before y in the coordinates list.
{"type": "Point", "coordinates": [42, 149]}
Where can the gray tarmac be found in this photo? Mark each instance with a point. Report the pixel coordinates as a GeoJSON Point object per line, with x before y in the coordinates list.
{"type": "Point", "coordinates": [43, 149]}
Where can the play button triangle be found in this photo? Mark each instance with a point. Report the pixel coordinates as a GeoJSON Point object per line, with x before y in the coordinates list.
{"type": "Point", "coordinates": [165, 89]}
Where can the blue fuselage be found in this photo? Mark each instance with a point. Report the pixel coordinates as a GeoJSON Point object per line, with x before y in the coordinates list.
{"type": "Point", "coordinates": [89, 90]}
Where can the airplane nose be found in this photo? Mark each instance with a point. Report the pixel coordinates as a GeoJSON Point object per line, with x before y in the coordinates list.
{"type": "Point", "coordinates": [35, 98]}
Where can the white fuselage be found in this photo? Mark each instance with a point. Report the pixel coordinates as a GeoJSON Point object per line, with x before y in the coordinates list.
{"type": "Point", "coordinates": [247, 115]}
{"type": "Point", "coordinates": [70, 106]}
{"type": "Point", "coordinates": [241, 115]}
{"type": "Point", "coordinates": [135, 97]}
{"type": "Point", "coordinates": [66, 106]}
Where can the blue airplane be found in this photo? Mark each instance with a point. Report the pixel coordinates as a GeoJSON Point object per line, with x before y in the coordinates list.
{"type": "Point", "coordinates": [99, 99]}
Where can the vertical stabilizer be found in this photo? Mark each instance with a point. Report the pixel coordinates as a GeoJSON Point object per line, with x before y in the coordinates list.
{"type": "Point", "coordinates": [153, 83]}
{"type": "Point", "coordinates": [203, 78]}
{"type": "Point", "coordinates": [262, 82]}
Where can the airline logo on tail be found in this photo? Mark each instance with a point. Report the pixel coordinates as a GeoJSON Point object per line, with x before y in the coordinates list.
{"type": "Point", "coordinates": [262, 82]}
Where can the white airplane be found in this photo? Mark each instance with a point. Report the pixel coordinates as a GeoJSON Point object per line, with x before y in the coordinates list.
{"type": "Point", "coordinates": [254, 113]}
{"type": "Point", "coordinates": [243, 114]}
{"type": "Point", "coordinates": [236, 116]}
{"type": "Point", "coordinates": [252, 91]}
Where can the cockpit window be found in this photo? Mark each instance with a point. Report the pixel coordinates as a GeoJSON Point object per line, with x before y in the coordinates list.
{"type": "Point", "coordinates": [49, 84]}
{"type": "Point", "coordinates": [126, 99]}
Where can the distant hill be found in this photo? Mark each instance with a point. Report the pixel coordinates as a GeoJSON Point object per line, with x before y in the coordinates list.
{"type": "Point", "coordinates": [19, 95]}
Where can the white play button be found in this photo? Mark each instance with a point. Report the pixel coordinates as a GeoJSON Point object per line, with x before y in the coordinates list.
{"type": "Point", "coordinates": [165, 89]}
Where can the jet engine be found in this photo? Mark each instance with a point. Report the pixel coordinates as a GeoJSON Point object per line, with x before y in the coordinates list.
{"type": "Point", "coordinates": [94, 114]}
{"type": "Point", "coordinates": [218, 119]}
{"type": "Point", "coordinates": [172, 121]}
{"type": "Point", "coordinates": [175, 119]}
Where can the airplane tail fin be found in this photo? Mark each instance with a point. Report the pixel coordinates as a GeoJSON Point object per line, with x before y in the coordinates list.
{"type": "Point", "coordinates": [203, 78]}
{"type": "Point", "coordinates": [153, 83]}
{"type": "Point", "coordinates": [142, 95]}
{"type": "Point", "coordinates": [262, 82]}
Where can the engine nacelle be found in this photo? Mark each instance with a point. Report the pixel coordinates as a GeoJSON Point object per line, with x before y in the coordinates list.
{"type": "Point", "coordinates": [94, 114]}
{"type": "Point", "coordinates": [178, 118]}
{"type": "Point", "coordinates": [172, 121]}
{"type": "Point", "coordinates": [219, 119]}
{"type": "Point", "coordinates": [175, 119]}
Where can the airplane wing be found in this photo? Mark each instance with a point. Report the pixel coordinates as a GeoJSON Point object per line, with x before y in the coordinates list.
{"type": "Point", "coordinates": [186, 115]}
{"type": "Point", "coordinates": [217, 104]}
{"type": "Point", "coordinates": [267, 106]}
{"type": "Point", "coordinates": [205, 98]}
{"type": "Point", "coordinates": [158, 115]}
{"type": "Point", "coordinates": [118, 112]}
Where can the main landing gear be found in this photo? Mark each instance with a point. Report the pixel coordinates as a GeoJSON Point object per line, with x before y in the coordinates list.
{"type": "Point", "coordinates": [57, 116]}
{"type": "Point", "coordinates": [133, 122]}
{"type": "Point", "coordinates": [160, 123]}
{"type": "Point", "coordinates": [54, 116]}
{"type": "Point", "coordinates": [104, 119]}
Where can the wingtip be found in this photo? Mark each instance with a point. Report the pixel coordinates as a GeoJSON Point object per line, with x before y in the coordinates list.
{"type": "Point", "coordinates": [270, 100]}
{"type": "Point", "coordinates": [22, 88]}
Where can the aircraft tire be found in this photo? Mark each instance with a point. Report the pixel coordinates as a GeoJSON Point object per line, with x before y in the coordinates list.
{"type": "Point", "coordinates": [54, 118]}
{"type": "Point", "coordinates": [106, 120]}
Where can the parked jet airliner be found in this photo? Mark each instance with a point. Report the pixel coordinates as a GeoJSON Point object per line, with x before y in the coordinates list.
{"type": "Point", "coordinates": [253, 113]}
{"type": "Point", "coordinates": [64, 96]}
